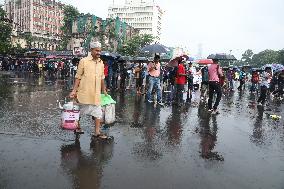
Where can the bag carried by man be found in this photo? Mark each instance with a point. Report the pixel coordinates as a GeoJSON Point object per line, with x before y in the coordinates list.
{"type": "Point", "coordinates": [108, 108]}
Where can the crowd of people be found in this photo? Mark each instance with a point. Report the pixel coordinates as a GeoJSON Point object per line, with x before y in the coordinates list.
{"type": "Point", "coordinates": [174, 82]}
{"type": "Point", "coordinates": [63, 67]}
{"type": "Point", "coordinates": [167, 84]}
{"type": "Point", "coordinates": [160, 82]}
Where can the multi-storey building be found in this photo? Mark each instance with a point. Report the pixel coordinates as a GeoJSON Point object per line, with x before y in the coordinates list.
{"type": "Point", "coordinates": [144, 15]}
{"type": "Point", "coordinates": [40, 18]}
{"type": "Point", "coordinates": [112, 33]}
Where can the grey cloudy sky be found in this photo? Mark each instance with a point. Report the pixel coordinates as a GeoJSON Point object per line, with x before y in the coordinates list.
{"type": "Point", "coordinates": [219, 25]}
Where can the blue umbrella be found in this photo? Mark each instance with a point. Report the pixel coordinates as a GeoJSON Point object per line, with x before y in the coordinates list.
{"type": "Point", "coordinates": [190, 59]}
{"type": "Point", "coordinates": [274, 67]}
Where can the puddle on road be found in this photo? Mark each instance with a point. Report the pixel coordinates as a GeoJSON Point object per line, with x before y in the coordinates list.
{"type": "Point", "coordinates": [164, 142]}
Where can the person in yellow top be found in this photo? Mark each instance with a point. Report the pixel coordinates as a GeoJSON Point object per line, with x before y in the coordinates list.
{"type": "Point", "coordinates": [40, 66]}
{"type": "Point", "coordinates": [89, 83]}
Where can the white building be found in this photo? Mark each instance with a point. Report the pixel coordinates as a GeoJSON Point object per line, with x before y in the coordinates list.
{"type": "Point", "coordinates": [42, 18]}
{"type": "Point", "coordinates": [144, 15]}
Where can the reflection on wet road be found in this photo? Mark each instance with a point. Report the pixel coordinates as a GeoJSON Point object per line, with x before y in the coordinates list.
{"type": "Point", "coordinates": [153, 147]}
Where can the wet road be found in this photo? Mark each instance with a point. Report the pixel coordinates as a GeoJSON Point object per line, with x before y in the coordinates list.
{"type": "Point", "coordinates": [154, 147]}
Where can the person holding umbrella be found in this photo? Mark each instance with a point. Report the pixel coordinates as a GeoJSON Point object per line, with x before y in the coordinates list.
{"type": "Point", "coordinates": [139, 79]}
{"type": "Point", "coordinates": [204, 83]}
{"type": "Point", "coordinates": [189, 80]}
{"type": "Point", "coordinates": [264, 85]}
{"type": "Point", "coordinates": [280, 81]}
{"type": "Point", "coordinates": [214, 73]}
{"type": "Point", "coordinates": [180, 81]}
{"type": "Point", "coordinates": [154, 69]}
{"type": "Point", "coordinates": [242, 79]}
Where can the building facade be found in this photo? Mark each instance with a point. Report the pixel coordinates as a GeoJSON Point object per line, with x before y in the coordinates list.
{"type": "Point", "coordinates": [41, 19]}
{"type": "Point", "coordinates": [144, 15]}
{"type": "Point", "coordinates": [112, 33]}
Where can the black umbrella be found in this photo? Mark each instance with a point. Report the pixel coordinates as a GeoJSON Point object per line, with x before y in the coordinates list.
{"type": "Point", "coordinates": [124, 59]}
{"type": "Point", "coordinates": [221, 57]}
{"type": "Point", "coordinates": [114, 55]}
{"type": "Point", "coordinates": [140, 59]}
{"type": "Point", "coordinates": [107, 56]}
{"type": "Point", "coordinates": [155, 48]}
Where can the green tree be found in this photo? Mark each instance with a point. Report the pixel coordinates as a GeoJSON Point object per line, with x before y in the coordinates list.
{"type": "Point", "coordinates": [281, 57]}
{"type": "Point", "coordinates": [247, 57]}
{"type": "Point", "coordinates": [132, 47]}
{"type": "Point", "coordinates": [5, 34]}
{"type": "Point", "coordinates": [17, 49]}
{"type": "Point", "coordinates": [29, 39]}
{"type": "Point", "coordinates": [70, 14]}
{"type": "Point", "coordinates": [146, 39]}
{"type": "Point", "coordinates": [265, 57]}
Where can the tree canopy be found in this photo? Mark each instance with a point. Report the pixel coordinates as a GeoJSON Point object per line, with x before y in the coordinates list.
{"type": "Point", "coordinates": [247, 56]}
{"type": "Point", "coordinates": [264, 57]}
{"type": "Point", "coordinates": [132, 47]}
{"type": "Point", "coordinates": [281, 56]}
{"type": "Point", "coordinates": [70, 14]}
{"type": "Point", "coordinates": [5, 34]}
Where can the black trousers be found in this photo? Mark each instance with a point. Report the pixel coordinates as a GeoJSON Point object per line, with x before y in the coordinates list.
{"type": "Point", "coordinates": [179, 93]}
{"type": "Point", "coordinates": [242, 84]}
{"type": "Point", "coordinates": [122, 82]}
{"type": "Point", "coordinates": [263, 94]}
{"type": "Point", "coordinates": [214, 87]}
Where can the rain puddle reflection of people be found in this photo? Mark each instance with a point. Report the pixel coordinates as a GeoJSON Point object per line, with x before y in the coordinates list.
{"type": "Point", "coordinates": [121, 107]}
{"type": "Point", "coordinates": [150, 147]}
{"type": "Point", "coordinates": [86, 169]}
{"type": "Point", "coordinates": [137, 112]}
{"type": "Point", "coordinates": [174, 128]}
{"type": "Point", "coordinates": [208, 136]}
{"type": "Point", "coordinates": [257, 136]}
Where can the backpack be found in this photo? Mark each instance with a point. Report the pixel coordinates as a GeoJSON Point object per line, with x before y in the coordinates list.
{"type": "Point", "coordinates": [221, 77]}
{"type": "Point", "coordinates": [143, 73]}
{"type": "Point", "coordinates": [242, 75]}
{"type": "Point", "coordinates": [173, 74]}
{"type": "Point", "coordinates": [205, 74]}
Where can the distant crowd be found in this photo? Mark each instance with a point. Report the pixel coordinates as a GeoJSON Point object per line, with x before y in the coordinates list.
{"type": "Point", "coordinates": [170, 84]}
{"type": "Point", "coordinates": [50, 67]}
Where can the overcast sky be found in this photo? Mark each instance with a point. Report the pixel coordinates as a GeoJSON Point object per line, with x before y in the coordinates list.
{"type": "Point", "coordinates": [219, 25]}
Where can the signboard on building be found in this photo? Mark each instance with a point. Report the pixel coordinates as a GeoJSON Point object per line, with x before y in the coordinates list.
{"type": "Point", "coordinates": [79, 51]}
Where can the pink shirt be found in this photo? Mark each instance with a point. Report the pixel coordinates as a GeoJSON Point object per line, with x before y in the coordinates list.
{"type": "Point", "coordinates": [154, 73]}
{"type": "Point", "coordinates": [213, 73]}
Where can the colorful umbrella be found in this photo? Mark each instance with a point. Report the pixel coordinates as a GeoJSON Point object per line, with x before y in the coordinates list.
{"type": "Point", "coordinates": [190, 59]}
{"type": "Point", "coordinates": [174, 62]}
{"type": "Point", "coordinates": [274, 67]}
{"type": "Point", "coordinates": [187, 58]}
{"type": "Point", "coordinates": [204, 61]}
{"type": "Point", "coordinates": [51, 56]}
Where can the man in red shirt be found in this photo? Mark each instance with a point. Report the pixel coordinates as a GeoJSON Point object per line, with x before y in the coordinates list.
{"type": "Point", "coordinates": [180, 81]}
{"type": "Point", "coordinates": [106, 73]}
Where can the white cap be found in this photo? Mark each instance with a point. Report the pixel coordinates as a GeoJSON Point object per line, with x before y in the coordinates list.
{"type": "Point", "coordinates": [95, 45]}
